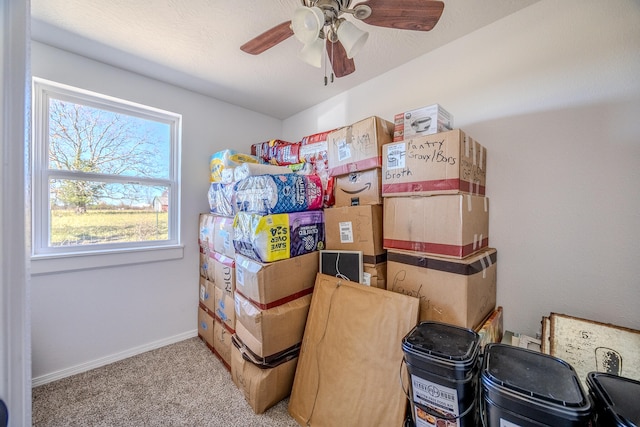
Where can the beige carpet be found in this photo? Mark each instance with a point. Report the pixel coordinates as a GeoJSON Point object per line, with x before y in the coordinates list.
{"type": "Point", "coordinates": [182, 384]}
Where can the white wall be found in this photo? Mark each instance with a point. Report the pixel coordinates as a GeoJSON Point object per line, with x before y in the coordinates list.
{"type": "Point", "coordinates": [553, 92]}
{"type": "Point", "coordinates": [87, 318]}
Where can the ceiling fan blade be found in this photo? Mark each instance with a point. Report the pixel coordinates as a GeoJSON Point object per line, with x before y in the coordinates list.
{"type": "Point", "coordinates": [268, 39]}
{"type": "Point", "coordinates": [342, 66]}
{"type": "Point", "coordinates": [417, 15]}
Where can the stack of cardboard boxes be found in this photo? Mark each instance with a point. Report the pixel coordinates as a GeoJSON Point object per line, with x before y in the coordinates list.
{"type": "Point", "coordinates": [272, 302]}
{"type": "Point", "coordinates": [410, 198]}
{"type": "Point", "coordinates": [355, 221]}
{"type": "Point", "coordinates": [277, 231]}
{"type": "Point", "coordinates": [216, 316]}
{"type": "Point", "coordinates": [436, 226]}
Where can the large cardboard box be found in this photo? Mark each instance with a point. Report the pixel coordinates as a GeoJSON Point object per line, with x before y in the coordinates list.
{"type": "Point", "coordinates": [224, 272]}
{"type": "Point", "coordinates": [421, 121]}
{"type": "Point", "coordinates": [207, 294]}
{"type": "Point", "coordinates": [358, 147]}
{"type": "Point", "coordinates": [375, 275]}
{"type": "Point", "coordinates": [262, 386]}
{"type": "Point", "coordinates": [271, 284]}
{"type": "Point", "coordinates": [359, 188]}
{"type": "Point", "coordinates": [446, 225]}
{"type": "Point", "coordinates": [443, 163]}
{"type": "Point", "coordinates": [223, 236]}
{"type": "Point", "coordinates": [458, 292]}
{"type": "Point", "coordinates": [351, 354]}
{"type": "Point", "coordinates": [206, 231]}
{"type": "Point", "coordinates": [222, 343]}
{"type": "Point", "coordinates": [267, 332]}
{"type": "Point", "coordinates": [356, 228]}
{"type": "Point", "coordinates": [205, 326]}
{"type": "Point", "coordinates": [207, 266]}
{"type": "Point", "coordinates": [224, 308]}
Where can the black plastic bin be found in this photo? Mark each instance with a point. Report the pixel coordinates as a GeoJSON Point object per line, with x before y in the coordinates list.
{"type": "Point", "coordinates": [527, 388]}
{"type": "Point", "coordinates": [443, 366]}
{"type": "Point", "coordinates": [616, 400]}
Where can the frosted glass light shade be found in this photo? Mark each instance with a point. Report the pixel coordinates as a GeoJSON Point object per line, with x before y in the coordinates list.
{"type": "Point", "coordinates": [311, 53]}
{"type": "Point", "coordinates": [307, 23]}
{"type": "Point", "coordinates": [351, 37]}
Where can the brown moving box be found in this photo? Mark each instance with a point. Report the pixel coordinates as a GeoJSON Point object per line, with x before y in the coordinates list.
{"type": "Point", "coordinates": [205, 234]}
{"type": "Point", "coordinates": [458, 292]}
{"type": "Point", "coordinates": [271, 284]}
{"type": "Point", "coordinates": [351, 354]}
{"type": "Point", "coordinates": [225, 272]}
{"type": "Point", "coordinates": [262, 387]}
{"type": "Point", "coordinates": [222, 343]}
{"type": "Point", "coordinates": [375, 275]}
{"type": "Point", "coordinates": [452, 225]}
{"type": "Point", "coordinates": [442, 163]}
{"type": "Point", "coordinates": [207, 266]}
{"type": "Point", "coordinates": [267, 332]}
{"type": "Point", "coordinates": [223, 236]}
{"type": "Point", "coordinates": [205, 326]}
{"type": "Point", "coordinates": [359, 146]}
{"type": "Point", "coordinates": [207, 294]}
{"type": "Point", "coordinates": [356, 228]}
{"type": "Point", "coordinates": [359, 188]}
{"type": "Point", "coordinates": [224, 308]}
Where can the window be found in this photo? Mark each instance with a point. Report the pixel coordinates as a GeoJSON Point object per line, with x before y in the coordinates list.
{"type": "Point", "coordinates": [105, 174]}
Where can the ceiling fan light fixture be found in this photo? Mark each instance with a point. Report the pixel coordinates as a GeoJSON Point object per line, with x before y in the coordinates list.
{"type": "Point", "coordinates": [312, 53]}
{"type": "Point", "coordinates": [351, 37]}
{"type": "Point", "coordinates": [307, 23]}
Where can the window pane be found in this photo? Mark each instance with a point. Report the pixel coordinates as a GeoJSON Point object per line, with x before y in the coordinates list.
{"type": "Point", "coordinates": [90, 212]}
{"type": "Point", "coordinates": [88, 139]}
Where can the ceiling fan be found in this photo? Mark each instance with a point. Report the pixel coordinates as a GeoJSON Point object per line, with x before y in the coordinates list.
{"type": "Point", "coordinates": [319, 25]}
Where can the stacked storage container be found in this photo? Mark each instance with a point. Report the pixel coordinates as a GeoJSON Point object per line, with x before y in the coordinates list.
{"type": "Point", "coordinates": [354, 223]}
{"type": "Point", "coordinates": [436, 226]}
{"type": "Point", "coordinates": [269, 245]}
{"type": "Point", "coordinates": [206, 288]}
{"type": "Point", "coordinates": [216, 316]}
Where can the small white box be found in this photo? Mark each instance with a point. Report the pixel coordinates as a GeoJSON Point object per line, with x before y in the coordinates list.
{"type": "Point", "coordinates": [421, 121]}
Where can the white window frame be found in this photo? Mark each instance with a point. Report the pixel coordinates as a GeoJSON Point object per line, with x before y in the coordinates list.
{"type": "Point", "coordinates": [47, 259]}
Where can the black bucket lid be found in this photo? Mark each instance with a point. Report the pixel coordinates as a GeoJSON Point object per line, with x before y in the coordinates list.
{"type": "Point", "coordinates": [533, 374]}
{"type": "Point", "coordinates": [443, 341]}
{"type": "Point", "coordinates": [618, 394]}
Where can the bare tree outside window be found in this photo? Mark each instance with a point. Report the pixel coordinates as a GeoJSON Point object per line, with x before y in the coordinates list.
{"type": "Point", "coordinates": [101, 169]}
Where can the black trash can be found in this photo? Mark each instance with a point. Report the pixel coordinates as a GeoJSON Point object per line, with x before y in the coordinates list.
{"type": "Point", "coordinates": [442, 361]}
{"type": "Point", "coordinates": [531, 389]}
{"type": "Point", "coordinates": [616, 400]}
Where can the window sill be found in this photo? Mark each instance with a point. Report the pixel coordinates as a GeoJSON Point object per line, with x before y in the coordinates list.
{"type": "Point", "coordinates": [46, 264]}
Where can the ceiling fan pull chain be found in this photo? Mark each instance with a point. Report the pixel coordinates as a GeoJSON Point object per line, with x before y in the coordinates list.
{"type": "Point", "coordinates": [325, 71]}
{"type": "Point", "coordinates": [331, 62]}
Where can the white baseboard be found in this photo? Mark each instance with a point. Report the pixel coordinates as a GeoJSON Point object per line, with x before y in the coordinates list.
{"type": "Point", "coordinates": [87, 366]}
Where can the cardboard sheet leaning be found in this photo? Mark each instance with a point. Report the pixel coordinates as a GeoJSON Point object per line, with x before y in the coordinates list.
{"type": "Point", "coordinates": [351, 354]}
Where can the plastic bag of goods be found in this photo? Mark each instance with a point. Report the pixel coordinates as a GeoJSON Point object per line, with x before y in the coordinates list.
{"type": "Point", "coordinates": [313, 151]}
{"type": "Point", "coordinates": [268, 238]}
{"type": "Point", "coordinates": [279, 152]}
{"type": "Point", "coordinates": [273, 194]}
{"type": "Point", "coordinates": [221, 199]}
{"type": "Point", "coordinates": [223, 162]}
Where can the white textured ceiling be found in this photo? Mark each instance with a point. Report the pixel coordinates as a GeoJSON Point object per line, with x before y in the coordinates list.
{"type": "Point", "coordinates": [195, 44]}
